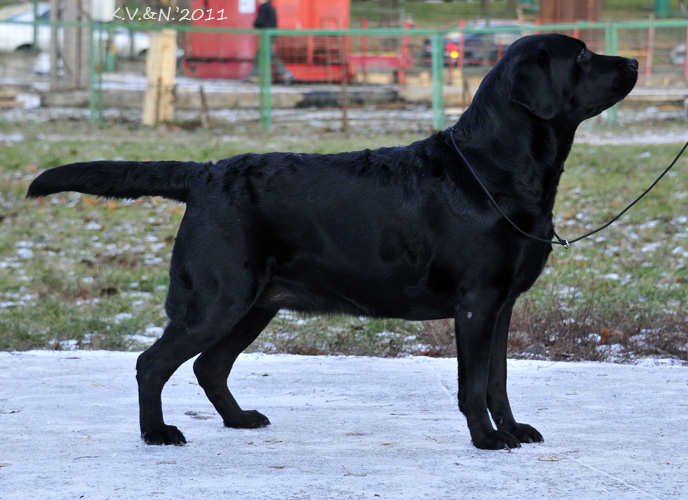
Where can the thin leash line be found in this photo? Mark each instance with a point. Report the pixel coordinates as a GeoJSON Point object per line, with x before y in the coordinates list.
{"type": "Point", "coordinates": [666, 171]}
{"type": "Point", "coordinates": [560, 241]}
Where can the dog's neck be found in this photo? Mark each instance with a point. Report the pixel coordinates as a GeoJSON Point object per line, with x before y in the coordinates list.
{"type": "Point", "coordinates": [534, 158]}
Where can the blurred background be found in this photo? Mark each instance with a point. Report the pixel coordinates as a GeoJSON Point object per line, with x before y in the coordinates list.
{"type": "Point", "coordinates": [169, 56]}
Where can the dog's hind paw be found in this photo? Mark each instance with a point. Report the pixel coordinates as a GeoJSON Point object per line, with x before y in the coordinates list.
{"type": "Point", "coordinates": [167, 434]}
{"type": "Point", "coordinates": [247, 420]}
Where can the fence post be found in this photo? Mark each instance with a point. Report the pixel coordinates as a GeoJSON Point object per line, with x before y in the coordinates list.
{"type": "Point", "coordinates": [265, 72]}
{"type": "Point", "coordinates": [685, 56]}
{"type": "Point", "coordinates": [613, 49]}
{"type": "Point", "coordinates": [100, 85]}
{"type": "Point", "coordinates": [650, 50]}
{"type": "Point", "coordinates": [437, 81]}
{"type": "Point", "coordinates": [91, 77]}
{"type": "Point", "coordinates": [158, 100]}
{"type": "Point", "coordinates": [95, 77]}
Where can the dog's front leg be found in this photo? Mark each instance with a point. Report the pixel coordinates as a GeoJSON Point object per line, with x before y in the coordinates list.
{"type": "Point", "coordinates": [475, 327]}
{"type": "Point", "coordinates": [497, 399]}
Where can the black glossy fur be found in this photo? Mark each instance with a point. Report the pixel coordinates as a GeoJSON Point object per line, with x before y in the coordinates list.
{"type": "Point", "coordinates": [401, 232]}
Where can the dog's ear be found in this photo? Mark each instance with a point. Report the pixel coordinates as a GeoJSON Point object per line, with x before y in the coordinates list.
{"type": "Point", "coordinates": [532, 86]}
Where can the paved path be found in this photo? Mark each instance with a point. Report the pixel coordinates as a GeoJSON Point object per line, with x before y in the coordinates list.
{"type": "Point", "coordinates": [342, 427]}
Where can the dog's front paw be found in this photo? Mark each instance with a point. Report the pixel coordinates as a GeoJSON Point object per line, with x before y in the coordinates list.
{"type": "Point", "coordinates": [496, 440]}
{"type": "Point", "coordinates": [167, 434]}
{"type": "Point", "coordinates": [248, 420]}
{"type": "Point", "coordinates": [525, 433]}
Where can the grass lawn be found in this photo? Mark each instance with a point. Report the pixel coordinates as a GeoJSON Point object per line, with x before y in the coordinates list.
{"type": "Point", "coordinates": [81, 271]}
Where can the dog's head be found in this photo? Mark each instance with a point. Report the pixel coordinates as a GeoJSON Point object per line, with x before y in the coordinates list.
{"type": "Point", "coordinates": [555, 76]}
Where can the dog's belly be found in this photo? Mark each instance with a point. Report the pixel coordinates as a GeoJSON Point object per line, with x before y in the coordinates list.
{"type": "Point", "coordinates": [382, 299]}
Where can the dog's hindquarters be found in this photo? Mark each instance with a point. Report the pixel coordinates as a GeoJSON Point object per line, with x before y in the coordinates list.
{"type": "Point", "coordinates": [201, 310]}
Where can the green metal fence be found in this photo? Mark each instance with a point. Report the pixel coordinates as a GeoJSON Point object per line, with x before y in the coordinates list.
{"type": "Point", "coordinates": [656, 44]}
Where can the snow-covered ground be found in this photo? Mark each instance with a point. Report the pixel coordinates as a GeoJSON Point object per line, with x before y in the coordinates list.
{"type": "Point", "coordinates": [342, 427]}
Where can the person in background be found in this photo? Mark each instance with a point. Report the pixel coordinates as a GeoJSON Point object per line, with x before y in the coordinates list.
{"type": "Point", "coordinates": [267, 18]}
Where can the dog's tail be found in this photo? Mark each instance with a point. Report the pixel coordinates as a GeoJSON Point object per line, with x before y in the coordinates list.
{"type": "Point", "coordinates": [119, 179]}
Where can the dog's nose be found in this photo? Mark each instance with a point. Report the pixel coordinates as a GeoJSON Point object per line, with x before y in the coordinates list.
{"type": "Point", "coordinates": [633, 63]}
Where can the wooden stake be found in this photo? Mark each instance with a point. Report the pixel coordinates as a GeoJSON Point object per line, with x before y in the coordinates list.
{"type": "Point", "coordinates": [161, 61]}
{"type": "Point", "coordinates": [205, 121]}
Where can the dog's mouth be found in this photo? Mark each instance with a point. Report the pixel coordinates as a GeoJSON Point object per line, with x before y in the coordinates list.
{"type": "Point", "coordinates": [596, 110]}
{"type": "Point", "coordinates": [621, 87]}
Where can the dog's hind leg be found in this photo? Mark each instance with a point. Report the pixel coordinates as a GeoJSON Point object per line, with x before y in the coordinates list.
{"type": "Point", "coordinates": [213, 366]}
{"type": "Point", "coordinates": [153, 368]}
{"type": "Point", "coordinates": [497, 399]}
{"type": "Point", "coordinates": [200, 318]}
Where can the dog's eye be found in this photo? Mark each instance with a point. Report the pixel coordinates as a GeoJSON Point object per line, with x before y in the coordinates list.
{"type": "Point", "coordinates": [583, 54]}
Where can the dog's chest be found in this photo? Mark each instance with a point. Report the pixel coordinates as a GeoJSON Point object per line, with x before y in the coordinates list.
{"type": "Point", "coordinates": [528, 267]}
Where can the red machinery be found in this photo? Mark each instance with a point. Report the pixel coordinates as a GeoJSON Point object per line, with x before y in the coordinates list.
{"type": "Point", "coordinates": [308, 57]}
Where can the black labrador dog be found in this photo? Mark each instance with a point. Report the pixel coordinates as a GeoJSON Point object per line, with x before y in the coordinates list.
{"type": "Point", "coordinates": [400, 232]}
